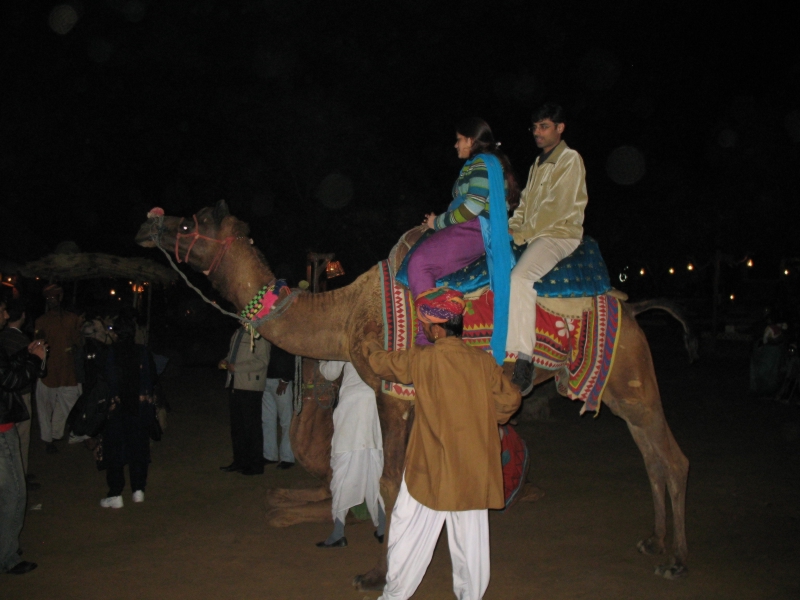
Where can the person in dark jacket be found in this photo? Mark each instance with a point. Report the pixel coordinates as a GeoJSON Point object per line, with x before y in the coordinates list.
{"type": "Point", "coordinates": [130, 373]}
{"type": "Point", "coordinates": [16, 372]}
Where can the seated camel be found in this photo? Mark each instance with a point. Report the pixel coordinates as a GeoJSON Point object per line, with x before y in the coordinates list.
{"type": "Point", "coordinates": [330, 326]}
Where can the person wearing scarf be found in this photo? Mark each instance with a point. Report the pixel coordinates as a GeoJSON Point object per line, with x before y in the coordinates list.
{"type": "Point", "coordinates": [452, 472]}
{"type": "Point", "coordinates": [475, 223]}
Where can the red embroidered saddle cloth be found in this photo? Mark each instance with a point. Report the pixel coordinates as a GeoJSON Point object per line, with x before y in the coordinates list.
{"type": "Point", "coordinates": [579, 347]}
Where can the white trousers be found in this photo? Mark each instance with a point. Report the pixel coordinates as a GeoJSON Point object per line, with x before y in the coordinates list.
{"type": "Point", "coordinates": [413, 533]}
{"type": "Point", "coordinates": [277, 408]}
{"type": "Point", "coordinates": [53, 406]}
{"type": "Point", "coordinates": [539, 258]}
{"type": "Point", "coordinates": [357, 478]}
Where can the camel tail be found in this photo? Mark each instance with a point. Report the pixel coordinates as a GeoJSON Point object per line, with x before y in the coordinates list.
{"type": "Point", "coordinates": [689, 338]}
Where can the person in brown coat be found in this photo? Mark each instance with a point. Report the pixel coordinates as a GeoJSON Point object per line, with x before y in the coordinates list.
{"type": "Point", "coordinates": [58, 392]}
{"type": "Point", "coordinates": [452, 471]}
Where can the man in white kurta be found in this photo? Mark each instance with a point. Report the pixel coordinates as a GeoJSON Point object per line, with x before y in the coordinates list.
{"type": "Point", "coordinates": [356, 452]}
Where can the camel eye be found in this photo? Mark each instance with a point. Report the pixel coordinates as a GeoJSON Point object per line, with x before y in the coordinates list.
{"type": "Point", "coordinates": [185, 227]}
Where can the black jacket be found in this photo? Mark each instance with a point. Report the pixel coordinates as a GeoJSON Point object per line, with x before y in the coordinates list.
{"type": "Point", "coordinates": [16, 372]}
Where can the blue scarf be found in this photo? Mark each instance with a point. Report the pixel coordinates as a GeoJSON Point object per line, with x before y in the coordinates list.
{"type": "Point", "coordinates": [498, 255]}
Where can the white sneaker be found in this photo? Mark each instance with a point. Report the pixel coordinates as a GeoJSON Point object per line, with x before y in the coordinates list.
{"type": "Point", "coordinates": [77, 439]}
{"type": "Point", "coordinates": [111, 502]}
{"type": "Point", "coordinates": [138, 496]}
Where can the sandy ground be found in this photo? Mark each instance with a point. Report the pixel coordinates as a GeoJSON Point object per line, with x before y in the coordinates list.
{"type": "Point", "coordinates": [201, 533]}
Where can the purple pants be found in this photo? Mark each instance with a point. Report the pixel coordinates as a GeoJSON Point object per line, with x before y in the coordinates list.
{"type": "Point", "coordinates": [445, 252]}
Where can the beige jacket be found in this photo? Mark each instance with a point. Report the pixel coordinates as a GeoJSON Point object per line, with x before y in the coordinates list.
{"type": "Point", "coordinates": [553, 201]}
{"type": "Point", "coordinates": [453, 454]}
{"type": "Point", "coordinates": [250, 368]}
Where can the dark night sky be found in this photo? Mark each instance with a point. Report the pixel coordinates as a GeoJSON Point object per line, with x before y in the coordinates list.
{"type": "Point", "coordinates": [281, 107]}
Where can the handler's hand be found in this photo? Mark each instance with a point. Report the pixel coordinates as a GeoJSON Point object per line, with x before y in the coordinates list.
{"type": "Point", "coordinates": [372, 327]}
{"type": "Point", "coordinates": [281, 388]}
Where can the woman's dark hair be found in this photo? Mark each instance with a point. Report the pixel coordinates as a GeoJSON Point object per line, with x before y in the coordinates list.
{"type": "Point", "coordinates": [483, 142]}
{"type": "Point", "coordinates": [455, 326]}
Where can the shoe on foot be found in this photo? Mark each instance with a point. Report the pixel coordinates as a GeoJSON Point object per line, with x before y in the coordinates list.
{"type": "Point", "coordinates": [523, 376]}
{"type": "Point", "coordinates": [285, 465]}
{"type": "Point", "coordinates": [270, 462]}
{"type": "Point", "coordinates": [231, 468]}
{"type": "Point", "coordinates": [50, 448]}
{"type": "Point", "coordinates": [22, 567]}
{"type": "Point", "coordinates": [378, 537]}
{"type": "Point", "coordinates": [76, 439]}
{"type": "Point", "coordinates": [340, 543]}
{"type": "Point", "coordinates": [111, 502]}
{"type": "Point", "coordinates": [138, 496]}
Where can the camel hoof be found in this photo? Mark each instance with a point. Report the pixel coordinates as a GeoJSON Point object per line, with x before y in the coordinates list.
{"type": "Point", "coordinates": [650, 546]}
{"type": "Point", "coordinates": [279, 518]}
{"type": "Point", "coordinates": [675, 570]}
{"type": "Point", "coordinates": [530, 493]}
{"type": "Point", "coordinates": [369, 582]}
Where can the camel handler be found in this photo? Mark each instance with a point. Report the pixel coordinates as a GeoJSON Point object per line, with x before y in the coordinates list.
{"type": "Point", "coordinates": [549, 219]}
{"type": "Point", "coordinates": [452, 472]}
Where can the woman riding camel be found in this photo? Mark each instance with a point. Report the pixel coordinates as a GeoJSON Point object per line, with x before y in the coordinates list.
{"type": "Point", "coordinates": [476, 222]}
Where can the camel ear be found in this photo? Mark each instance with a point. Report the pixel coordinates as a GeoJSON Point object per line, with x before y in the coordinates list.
{"type": "Point", "coordinates": [220, 211]}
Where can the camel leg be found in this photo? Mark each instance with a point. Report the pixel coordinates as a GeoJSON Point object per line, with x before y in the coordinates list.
{"type": "Point", "coordinates": [396, 416]}
{"type": "Point", "coordinates": [632, 394]}
{"type": "Point", "coordinates": [310, 512]}
{"type": "Point", "coordinates": [284, 498]}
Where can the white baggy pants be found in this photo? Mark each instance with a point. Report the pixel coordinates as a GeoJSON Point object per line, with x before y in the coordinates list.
{"type": "Point", "coordinates": [357, 479]}
{"type": "Point", "coordinates": [539, 258]}
{"type": "Point", "coordinates": [53, 406]}
{"type": "Point", "coordinates": [413, 533]}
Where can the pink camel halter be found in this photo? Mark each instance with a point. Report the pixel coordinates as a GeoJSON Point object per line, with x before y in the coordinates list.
{"type": "Point", "coordinates": [224, 245]}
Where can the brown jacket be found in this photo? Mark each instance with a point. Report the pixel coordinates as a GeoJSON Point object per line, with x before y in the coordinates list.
{"type": "Point", "coordinates": [553, 201]}
{"type": "Point", "coordinates": [453, 455]}
{"type": "Point", "coordinates": [62, 332]}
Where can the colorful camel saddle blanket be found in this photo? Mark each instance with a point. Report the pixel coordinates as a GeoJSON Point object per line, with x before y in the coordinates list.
{"type": "Point", "coordinates": [583, 273]}
{"type": "Point", "coordinates": [577, 338]}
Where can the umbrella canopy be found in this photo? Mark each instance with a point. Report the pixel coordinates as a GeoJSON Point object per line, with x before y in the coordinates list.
{"type": "Point", "coordinates": [72, 267]}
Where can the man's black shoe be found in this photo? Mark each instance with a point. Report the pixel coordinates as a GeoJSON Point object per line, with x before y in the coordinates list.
{"type": "Point", "coordinates": [288, 465]}
{"type": "Point", "coordinates": [340, 543]}
{"type": "Point", "coordinates": [270, 462]}
{"type": "Point", "coordinates": [26, 567]}
{"type": "Point", "coordinates": [231, 468]}
{"type": "Point", "coordinates": [253, 470]}
{"type": "Point", "coordinates": [523, 376]}
{"type": "Point", "coordinates": [50, 448]}
{"type": "Point", "coordinates": [378, 537]}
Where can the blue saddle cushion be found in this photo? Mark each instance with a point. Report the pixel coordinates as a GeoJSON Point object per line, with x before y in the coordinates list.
{"type": "Point", "coordinates": [582, 273]}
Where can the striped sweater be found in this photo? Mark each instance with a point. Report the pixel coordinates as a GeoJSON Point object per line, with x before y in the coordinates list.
{"type": "Point", "coordinates": [470, 195]}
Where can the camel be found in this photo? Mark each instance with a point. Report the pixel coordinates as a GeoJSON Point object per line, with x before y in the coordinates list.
{"type": "Point", "coordinates": [330, 326]}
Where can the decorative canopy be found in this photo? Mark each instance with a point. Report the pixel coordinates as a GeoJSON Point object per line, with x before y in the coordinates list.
{"type": "Point", "coordinates": [71, 267]}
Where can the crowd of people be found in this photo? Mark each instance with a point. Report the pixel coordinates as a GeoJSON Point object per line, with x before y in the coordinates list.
{"type": "Point", "coordinates": [114, 382]}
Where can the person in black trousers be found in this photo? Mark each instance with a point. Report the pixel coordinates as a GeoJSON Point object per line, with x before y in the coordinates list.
{"type": "Point", "coordinates": [247, 375]}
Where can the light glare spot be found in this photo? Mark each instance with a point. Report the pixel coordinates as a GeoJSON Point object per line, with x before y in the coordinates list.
{"type": "Point", "coordinates": [335, 191]}
{"type": "Point", "coordinates": [625, 165]}
{"type": "Point", "coordinates": [62, 18]}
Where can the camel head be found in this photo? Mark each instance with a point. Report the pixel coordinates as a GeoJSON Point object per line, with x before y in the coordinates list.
{"type": "Point", "coordinates": [200, 240]}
